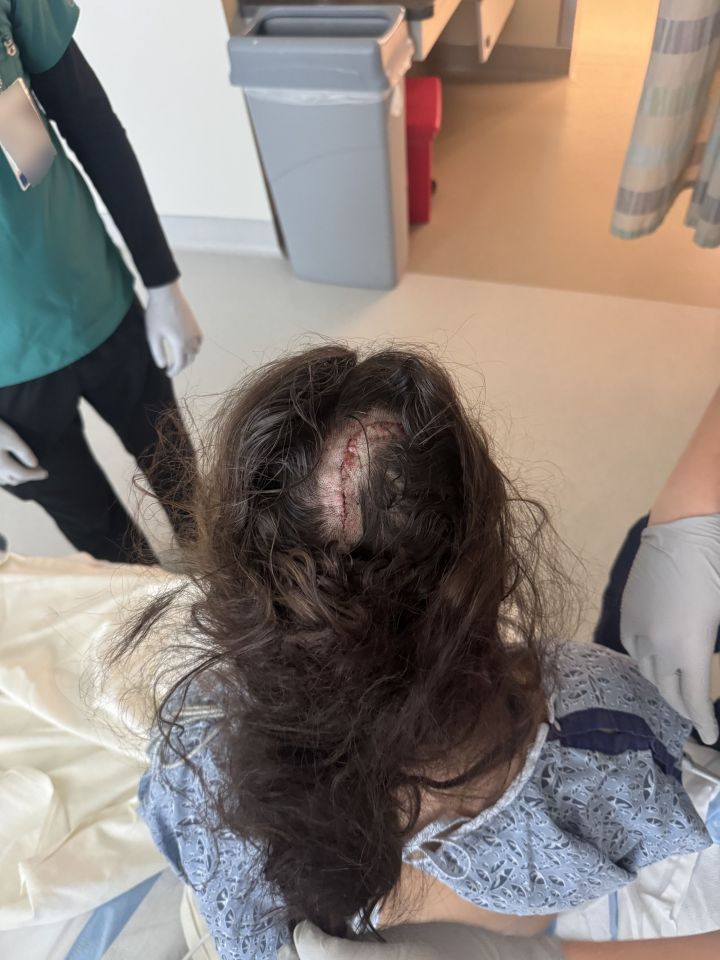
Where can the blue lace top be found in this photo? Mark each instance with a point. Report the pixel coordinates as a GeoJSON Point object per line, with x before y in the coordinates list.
{"type": "Point", "coordinates": [599, 796]}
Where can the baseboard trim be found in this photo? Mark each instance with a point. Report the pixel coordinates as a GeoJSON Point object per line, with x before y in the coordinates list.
{"type": "Point", "coordinates": [508, 64]}
{"type": "Point", "coordinates": [221, 235]}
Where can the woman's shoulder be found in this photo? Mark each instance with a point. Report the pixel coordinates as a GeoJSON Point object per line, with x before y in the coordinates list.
{"type": "Point", "coordinates": [599, 687]}
{"type": "Point", "coordinates": [178, 795]}
{"type": "Point", "coordinates": [599, 797]}
{"type": "Point", "coordinates": [189, 721]}
{"type": "Point", "coordinates": [586, 671]}
{"type": "Point", "coordinates": [183, 774]}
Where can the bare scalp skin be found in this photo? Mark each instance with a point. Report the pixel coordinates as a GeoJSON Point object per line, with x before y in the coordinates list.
{"type": "Point", "coordinates": [344, 470]}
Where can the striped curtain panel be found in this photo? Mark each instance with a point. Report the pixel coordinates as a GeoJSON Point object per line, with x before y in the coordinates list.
{"type": "Point", "coordinates": [676, 138]}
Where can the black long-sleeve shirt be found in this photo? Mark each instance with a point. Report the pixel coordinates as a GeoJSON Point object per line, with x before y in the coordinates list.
{"type": "Point", "coordinates": [73, 97]}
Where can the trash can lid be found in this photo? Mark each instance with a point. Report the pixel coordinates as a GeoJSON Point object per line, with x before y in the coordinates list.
{"type": "Point", "coordinates": [414, 9]}
{"type": "Point", "coordinates": [322, 47]}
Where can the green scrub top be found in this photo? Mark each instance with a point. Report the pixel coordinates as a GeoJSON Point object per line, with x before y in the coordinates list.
{"type": "Point", "coordinates": [64, 287]}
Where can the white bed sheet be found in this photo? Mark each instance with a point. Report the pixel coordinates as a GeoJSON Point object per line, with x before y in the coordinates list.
{"type": "Point", "coordinates": [70, 834]}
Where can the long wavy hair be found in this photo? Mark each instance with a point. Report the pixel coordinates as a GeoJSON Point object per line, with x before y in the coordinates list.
{"type": "Point", "coordinates": [372, 604]}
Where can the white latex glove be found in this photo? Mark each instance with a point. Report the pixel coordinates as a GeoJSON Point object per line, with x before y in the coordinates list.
{"type": "Point", "coordinates": [670, 612]}
{"type": "Point", "coordinates": [18, 464]}
{"type": "Point", "coordinates": [172, 331]}
{"type": "Point", "coordinates": [420, 941]}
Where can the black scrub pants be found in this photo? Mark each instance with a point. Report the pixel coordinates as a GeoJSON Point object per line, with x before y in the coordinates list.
{"type": "Point", "coordinates": [607, 632]}
{"type": "Point", "coordinates": [120, 380]}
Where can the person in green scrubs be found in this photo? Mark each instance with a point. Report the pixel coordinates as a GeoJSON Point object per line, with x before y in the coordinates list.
{"type": "Point", "coordinates": [71, 325]}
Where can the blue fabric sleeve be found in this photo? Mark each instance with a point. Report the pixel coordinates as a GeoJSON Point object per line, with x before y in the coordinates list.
{"type": "Point", "coordinates": [243, 917]}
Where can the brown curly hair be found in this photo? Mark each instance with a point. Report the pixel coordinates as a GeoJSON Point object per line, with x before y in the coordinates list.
{"type": "Point", "coordinates": [372, 597]}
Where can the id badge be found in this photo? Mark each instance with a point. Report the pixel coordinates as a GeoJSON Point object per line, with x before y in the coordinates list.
{"type": "Point", "coordinates": [24, 138]}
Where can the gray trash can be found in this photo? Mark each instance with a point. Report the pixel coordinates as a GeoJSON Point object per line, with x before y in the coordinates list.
{"type": "Point", "coordinates": [324, 86]}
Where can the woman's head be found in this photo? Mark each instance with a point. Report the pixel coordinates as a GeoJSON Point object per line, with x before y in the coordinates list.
{"type": "Point", "coordinates": [369, 611]}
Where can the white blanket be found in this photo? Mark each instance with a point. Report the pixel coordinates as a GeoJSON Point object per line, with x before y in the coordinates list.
{"type": "Point", "coordinates": [70, 834]}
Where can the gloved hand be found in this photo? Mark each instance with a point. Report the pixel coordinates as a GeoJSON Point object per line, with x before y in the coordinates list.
{"type": "Point", "coordinates": [420, 941]}
{"type": "Point", "coordinates": [670, 612]}
{"type": "Point", "coordinates": [172, 331]}
{"type": "Point", "coordinates": [18, 464]}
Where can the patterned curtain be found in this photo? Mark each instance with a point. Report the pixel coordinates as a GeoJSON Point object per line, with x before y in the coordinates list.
{"type": "Point", "coordinates": [676, 138]}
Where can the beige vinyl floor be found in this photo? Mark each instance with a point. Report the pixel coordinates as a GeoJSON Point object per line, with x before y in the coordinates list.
{"type": "Point", "coordinates": [527, 175]}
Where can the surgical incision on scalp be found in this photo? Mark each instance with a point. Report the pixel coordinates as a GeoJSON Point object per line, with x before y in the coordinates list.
{"type": "Point", "coordinates": [344, 467]}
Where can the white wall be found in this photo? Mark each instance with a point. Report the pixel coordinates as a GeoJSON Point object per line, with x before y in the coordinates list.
{"type": "Point", "coordinates": [533, 23]}
{"type": "Point", "coordinates": [164, 64]}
